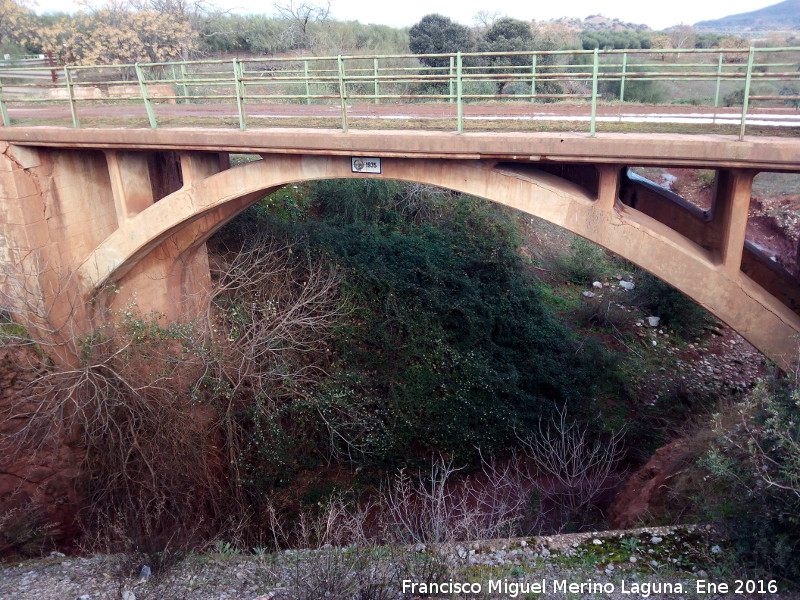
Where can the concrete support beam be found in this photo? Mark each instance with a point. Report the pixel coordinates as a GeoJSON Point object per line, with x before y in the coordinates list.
{"type": "Point", "coordinates": [196, 166]}
{"type": "Point", "coordinates": [608, 186]}
{"type": "Point", "coordinates": [731, 210]}
{"type": "Point", "coordinates": [130, 183]}
{"type": "Point", "coordinates": [654, 246]}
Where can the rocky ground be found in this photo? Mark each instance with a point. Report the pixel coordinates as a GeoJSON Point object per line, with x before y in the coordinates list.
{"type": "Point", "coordinates": [666, 563]}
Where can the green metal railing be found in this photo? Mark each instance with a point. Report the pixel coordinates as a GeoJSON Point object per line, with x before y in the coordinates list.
{"type": "Point", "coordinates": [577, 76]}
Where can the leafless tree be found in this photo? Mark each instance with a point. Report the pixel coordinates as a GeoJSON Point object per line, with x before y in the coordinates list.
{"type": "Point", "coordinates": [579, 466]}
{"type": "Point", "coordinates": [301, 15]}
{"type": "Point", "coordinates": [484, 19]}
{"type": "Point", "coordinates": [682, 36]}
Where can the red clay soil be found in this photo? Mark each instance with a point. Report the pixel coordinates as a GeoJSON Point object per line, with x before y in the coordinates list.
{"type": "Point", "coordinates": [646, 489]}
{"type": "Point", "coordinates": [37, 488]}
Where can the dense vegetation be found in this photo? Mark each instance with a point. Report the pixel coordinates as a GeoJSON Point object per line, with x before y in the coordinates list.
{"type": "Point", "coordinates": [166, 30]}
{"type": "Point", "coordinates": [447, 347]}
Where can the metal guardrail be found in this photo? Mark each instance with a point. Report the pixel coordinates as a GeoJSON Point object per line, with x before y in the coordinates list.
{"type": "Point", "coordinates": [459, 79]}
{"type": "Point", "coordinates": [29, 66]}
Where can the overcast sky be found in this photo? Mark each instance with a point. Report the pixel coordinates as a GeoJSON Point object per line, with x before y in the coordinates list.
{"type": "Point", "coordinates": [657, 15]}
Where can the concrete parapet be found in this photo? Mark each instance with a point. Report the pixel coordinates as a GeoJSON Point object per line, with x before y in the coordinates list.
{"type": "Point", "coordinates": [154, 90]}
{"type": "Point", "coordinates": [79, 92]}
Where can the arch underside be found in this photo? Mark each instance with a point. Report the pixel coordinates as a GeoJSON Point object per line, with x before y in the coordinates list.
{"type": "Point", "coordinates": [190, 215]}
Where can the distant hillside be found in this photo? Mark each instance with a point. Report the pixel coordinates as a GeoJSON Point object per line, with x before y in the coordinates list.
{"type": "Point", "coordinates": [600, 23]}
{"type": "Point", "coordinates": [782, 16]}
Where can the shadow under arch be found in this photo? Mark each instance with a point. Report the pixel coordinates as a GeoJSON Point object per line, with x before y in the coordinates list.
{"type": "Point", "coordinates": [192, 214]}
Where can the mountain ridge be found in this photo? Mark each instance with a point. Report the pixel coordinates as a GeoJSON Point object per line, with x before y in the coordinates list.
{"type": "Point", "coordinates": [781, 16]}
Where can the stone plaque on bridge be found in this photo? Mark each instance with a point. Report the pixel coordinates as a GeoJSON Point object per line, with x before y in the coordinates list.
{"type": "Point", "coordinates": [362, 164]}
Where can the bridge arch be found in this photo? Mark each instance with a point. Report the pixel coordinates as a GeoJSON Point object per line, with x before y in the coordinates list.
{"type": "Point", "coordinates": [714, 279]}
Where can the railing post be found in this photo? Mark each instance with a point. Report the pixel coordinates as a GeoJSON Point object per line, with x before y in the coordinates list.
{"type": "Point", "coordinates": [533, 78]}
{"type": "Point", "coordinates": [145, 97]}
{"type": "Point", "coordinates": [622, 80]}
{"type": "Point", "coordinates": [174, 79]}
{"type": "Point", "coordinates": [746, 98]}
{"type": "Point", "coordinates": [52, 63]}
{"type": "Point", "coordinates": [377, 85]}
{"type": "Point", "coordinates": [308, 85]}
{"type": "Point", "coordinates": [184, 89]}
{"type": "Point", "coordinates": [719, 80]}
{"type": "Point", "coordinates": [342, 92]}
{"type": "Point", "coordinates": [450, 78]}
{"type": "Point", "coordinates": [239, 86]}
{"type": "Point", "coordinates": [594, 93]}
{"type": "Point", "coordinates": [3, 109]}
{"type": "Point", "coordinates": [459, 94]}
{"type": "Point", "coordinates": [72, 110]}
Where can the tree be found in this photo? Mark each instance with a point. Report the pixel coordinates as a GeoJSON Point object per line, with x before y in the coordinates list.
{"type": "Point", "coordinates": [117, 33]}
{"type": "Point", "coordinates": [300, 16]}
{"type": "Point", "coordinates": [437, 34]}
{"type": "Point", "coordinates": [682, 36]}
{"type": "Point", "coordinates": [661, 42]}
{"type": "Point", "coordinates": [508, 35]}
{"type": "Point", "coordinates": [17, 26]}
{"type": "Point", "coordinates": [735, 42]}
{"type": "Point", "coordinates": [553, 36]}
{"type": "Point", "coordinates": [484, 19]}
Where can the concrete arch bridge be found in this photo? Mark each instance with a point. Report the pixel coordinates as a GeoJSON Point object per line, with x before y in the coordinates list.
{"type": "Point", "coordinates": [135, 207]}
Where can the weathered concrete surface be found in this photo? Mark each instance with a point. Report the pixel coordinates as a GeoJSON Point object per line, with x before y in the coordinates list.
{"type": "Point", "coordinates": [702, 151]}
{"type": "Point", "coordinates": [134, 207]}
{"type": "Point", "coordinates": [705, 275]}
{"type": "Point", "coordinates": [57, 207]}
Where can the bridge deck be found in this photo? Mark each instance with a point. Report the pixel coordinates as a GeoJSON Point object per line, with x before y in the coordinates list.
{"type": "Point", "coordinates": [701, 151]}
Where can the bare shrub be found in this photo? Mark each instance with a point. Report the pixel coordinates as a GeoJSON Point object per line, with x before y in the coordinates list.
{"type": "Point", "coordinates": [352, 573]}
{"type": "Point", "coordinates": [336, 523]}
{"type": "Point", "coordinates": [578, 467]}
{"type": "Point", "coordinates": [146, 467]}
{"type": "Point", "coordinates": [434, 508]}
{"type": "Point", "coordinates": [601, 312]}
{"type": "Point", "coordinates": [270, 306]}
{"type": "Point", "coordinates": [153, 405]}
{"type": "Point", "coordinates": [419, 202]}
{"type": "Point", "coordinates": [23, 529]}
{"type": "Point", "coordinates": [38, 304]}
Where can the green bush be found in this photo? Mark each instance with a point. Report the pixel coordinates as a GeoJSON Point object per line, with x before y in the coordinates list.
{"type": "Point", "coordinates": [636, 90]}
{"type": "Point", "coordinates": [675, 309]}
{"type": "Point", "coordinates": [583, 264]}
{"type": "Point", "coordinates": [754, 463]}
{"type": "Point", "coordinates": [734, 98]}
{"type": "Point", "coordinates": [447, 347]}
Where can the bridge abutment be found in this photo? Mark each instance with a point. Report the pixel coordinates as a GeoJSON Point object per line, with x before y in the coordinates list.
{"type": "Point", "coordinates": [59, 205]}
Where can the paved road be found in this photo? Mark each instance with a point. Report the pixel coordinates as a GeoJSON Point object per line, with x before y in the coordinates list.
{"type": "Point", "coordinates": [776, 117]}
